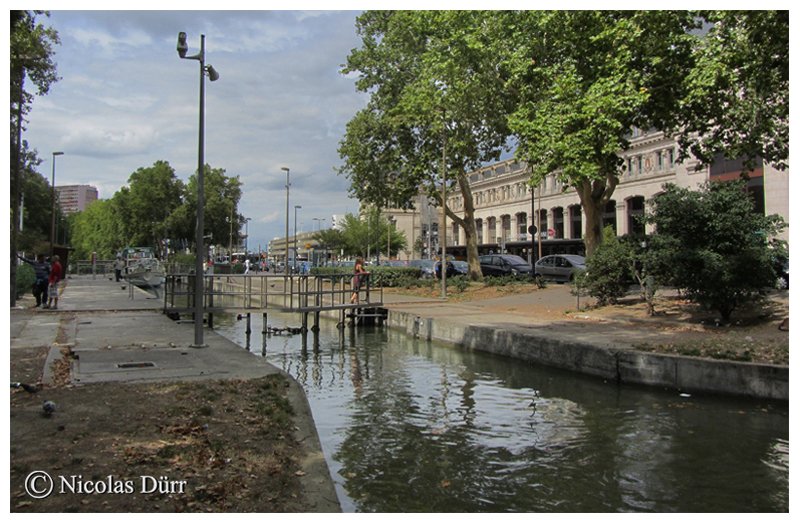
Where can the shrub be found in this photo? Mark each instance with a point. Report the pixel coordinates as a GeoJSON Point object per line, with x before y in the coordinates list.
{"type": "Point", "coordinates": [718, 251]}
{"type": "Point", "coordinates": [608, 270]}
{"type": "Point", "coordinates": [26, 277]}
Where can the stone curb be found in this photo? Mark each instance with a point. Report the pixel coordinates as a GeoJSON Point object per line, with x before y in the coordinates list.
{"type": "Point", "coordinates": [689, 374]}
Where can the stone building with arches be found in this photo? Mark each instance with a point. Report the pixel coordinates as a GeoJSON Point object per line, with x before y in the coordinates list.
{"type": "Point", "coordinates": [506, 207]}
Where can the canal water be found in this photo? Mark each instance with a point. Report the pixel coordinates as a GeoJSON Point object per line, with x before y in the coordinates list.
{"type": "Point", "coordinates": [409, 425]}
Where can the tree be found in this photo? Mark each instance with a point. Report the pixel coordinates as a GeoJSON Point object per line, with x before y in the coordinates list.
{"type": "Point", "coordinates": [586, 79]}
{"type": "Point", "coordinates": [221, 195]}
{"type": "Point", "coordinates": [737, 100]}
{"type": "Point", "coordinates": [37, 199]}
{"type": "Point", "coordinates": [31, 50]}
{"type": "Point", "coordinates": [435, 105]}
{"type": "Point", "coordinates": [718, 250]}
{"type": "Point", "coordinates": [154, 193]}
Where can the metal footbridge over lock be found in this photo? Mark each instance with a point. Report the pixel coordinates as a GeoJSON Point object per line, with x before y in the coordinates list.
{"type": "Point", "coordinates": [265, 293]}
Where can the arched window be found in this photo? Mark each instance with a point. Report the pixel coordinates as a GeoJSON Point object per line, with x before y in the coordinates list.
{"type": "Point", "coordinates": [558, 222]}
{"type": "Point", "coordinates": [576, 218]}
{"type": "Point", "coordinates": [635, 213]}
{"type": "Point", "coordinates": [610, 215]}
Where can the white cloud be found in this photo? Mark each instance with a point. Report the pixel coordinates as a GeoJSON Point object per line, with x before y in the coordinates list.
{"type": "Point", "coordinates": [126, 100]}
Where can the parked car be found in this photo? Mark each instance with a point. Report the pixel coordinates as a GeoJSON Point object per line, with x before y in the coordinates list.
{"type": "Point", "coordinates": [461, 267]}
{"type": "Point", "coordinates": [451, 270]}
{"type": "Point", "coordinates": [559, 267]}
{"type": "Point", "coordinates": [425, 265]}
{"type": "Point", "coordinates": [505, 265]}
{"type": "Point", "coordinates": [393, 263]}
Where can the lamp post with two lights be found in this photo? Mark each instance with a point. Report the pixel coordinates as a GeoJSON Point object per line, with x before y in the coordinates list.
{"type": "Point", "coordinates": [209, 70]}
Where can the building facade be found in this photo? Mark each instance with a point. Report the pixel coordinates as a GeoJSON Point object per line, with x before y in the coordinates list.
{"type": "Point", "coordinates": [506, 207]}
{"type": "Point", "coordinates": [75, 198]}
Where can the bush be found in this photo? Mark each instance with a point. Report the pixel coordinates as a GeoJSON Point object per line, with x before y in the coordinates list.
{"type": "Point", "coordinates": [608, 270]}
{"type": "Point", "coordinates": [26, 277]}
{"type": "Point", "coordinates": [718, 251]}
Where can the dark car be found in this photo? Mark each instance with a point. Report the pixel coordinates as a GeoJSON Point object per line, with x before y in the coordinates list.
{"type": "Point", "coordinates": [461, 267]}
{"type": "Point", "coordinates": [451, 269]}
{"type": "Point", "coordinates": [425, 265]}
{"type": "Point", "coordinates": [559, 267]}
{"type": "Point", "coordinates": [504, 265]}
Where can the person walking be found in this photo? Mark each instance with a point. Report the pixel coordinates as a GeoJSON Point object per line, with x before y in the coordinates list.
{"type": "Point", "coordinates": [42, 271]}
{"type": "Point", "coordinates": [55, 278]}
{"type": "Point", "coordinates": [358, 279]}
{"type": "Point", "coordinates": [118, 266]}
{"type": "Point", "coordinates": [246, 266]}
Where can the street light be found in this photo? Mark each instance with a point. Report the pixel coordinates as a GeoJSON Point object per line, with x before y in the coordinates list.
{"type": "Point", "coordinates": [295, 236]}
{"type": "Point", "coordinates": [53, 210]}
{"type": "Point", "coordinates": [286, 257]}
{"type": "Point", "coordinates": [199, 300]}
{"type": "Point", "coordinates": [246, 234]}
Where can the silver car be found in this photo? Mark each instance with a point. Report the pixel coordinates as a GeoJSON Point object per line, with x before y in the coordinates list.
{"type": "Point", "coordinates": [559, 267]}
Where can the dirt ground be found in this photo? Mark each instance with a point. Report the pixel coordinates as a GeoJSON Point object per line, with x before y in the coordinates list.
{"type": "Point", "coordinates": [756, 333]}
{"type": "Point", "coordinates": [168, 447]}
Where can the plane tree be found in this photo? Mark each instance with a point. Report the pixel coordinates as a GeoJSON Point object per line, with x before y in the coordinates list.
{"type": "Point", "coordinates": [436, 111]}
{"type": "Point", "coordinates": [737, 99]}
{"type": "Point", "coordinates": [586, 79]}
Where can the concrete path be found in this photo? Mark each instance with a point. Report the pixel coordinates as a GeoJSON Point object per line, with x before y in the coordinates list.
{"type": "Point", "coordinates": [118, 334]}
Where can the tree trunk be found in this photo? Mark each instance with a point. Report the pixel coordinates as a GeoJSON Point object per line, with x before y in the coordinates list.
{"type": "Point", "coordinates": [595, 195]}
{"type": "Point", "coordinates": [468, 225]}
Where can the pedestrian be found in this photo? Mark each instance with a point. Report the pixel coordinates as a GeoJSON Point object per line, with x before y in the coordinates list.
{"type": "Point", "coordinates": [55, 278]}
{"type": "Point", "coordinates": [42, 271]}
{"type": "Point", "coordinates": [118, 266]}
{"type": "Point", "coordinates": [246, 266]}
{"type": "Point", "coordinates": [357, 279]}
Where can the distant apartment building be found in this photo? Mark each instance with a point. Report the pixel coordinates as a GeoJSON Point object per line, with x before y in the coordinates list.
{"type": "Point", "coordinates": [75, 198]}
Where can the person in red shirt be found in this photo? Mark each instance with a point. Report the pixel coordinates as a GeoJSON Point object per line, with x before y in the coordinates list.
{"type": "Point", "coordinates": [55, 278]}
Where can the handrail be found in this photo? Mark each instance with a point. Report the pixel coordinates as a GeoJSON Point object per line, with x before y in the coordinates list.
{"type": "Point", "coordinates": [261, 292]}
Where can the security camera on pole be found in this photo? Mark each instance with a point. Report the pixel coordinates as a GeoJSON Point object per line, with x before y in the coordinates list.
{"type": "Point", "coordinates": [199, 250]}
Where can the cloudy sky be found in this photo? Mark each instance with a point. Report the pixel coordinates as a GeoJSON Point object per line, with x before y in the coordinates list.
{"type": "Point", "coordinates": [126, 100]}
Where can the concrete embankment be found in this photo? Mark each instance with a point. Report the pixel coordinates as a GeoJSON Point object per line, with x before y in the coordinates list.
{"type": "Point", "coordinates": [602, 349]}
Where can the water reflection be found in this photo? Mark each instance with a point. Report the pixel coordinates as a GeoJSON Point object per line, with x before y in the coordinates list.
{"type": "Point", "coordinates": [409, 425]}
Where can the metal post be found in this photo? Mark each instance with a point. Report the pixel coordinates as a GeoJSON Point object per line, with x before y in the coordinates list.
{"type": "Point", "coordinates": [286, 258]}
{"type": "Point", "coordinates": [53, 207]}
{"type": "Point", "coordinates": [443, 228]}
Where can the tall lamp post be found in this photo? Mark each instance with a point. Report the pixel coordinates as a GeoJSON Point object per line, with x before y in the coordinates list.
{"type": "Point", "coordinates": [53, 207]}
{"type": "Point", "coordinates": [286, 256]}
{"type": "Point", "coordinates": [246, 234]}
{"type": "Point", "coordinates": [295, 236]}
{"type": "Point", "coordinates": [199, 299]}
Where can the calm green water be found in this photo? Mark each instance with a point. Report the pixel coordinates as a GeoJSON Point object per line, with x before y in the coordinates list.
{"type": "Point", "coordinates": [410, 425]}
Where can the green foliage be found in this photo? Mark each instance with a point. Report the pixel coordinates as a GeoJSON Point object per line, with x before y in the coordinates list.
{"type": "Point", "coordinates": [737, 100]}
{"type": "Point", "coordinates": [31, 52]}
{"type": "Point", "coordinates": [716, 248]}
{"type": "Point", "coordinates": [388, 276]}
{"type": "Point", "coordinates": [579, 286]}
{"type": "Point", "coordinates": [585, 79]}
{"type": "Point", "coordinates": [183, 258]}
{"type": "Point", "coordinates": [26, 277]}
{"type": "Point", "coordinates": [153, 193]}
{"type": "Point", "coordinates": [608, 270]}
{"type": "Point", "coordinates": [432, 80]}
{"type": "Point", "coordinates": [460, 282]}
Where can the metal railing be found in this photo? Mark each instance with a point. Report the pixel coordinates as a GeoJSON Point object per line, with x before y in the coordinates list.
{"type": "Point", "coordinates": [261, 292]}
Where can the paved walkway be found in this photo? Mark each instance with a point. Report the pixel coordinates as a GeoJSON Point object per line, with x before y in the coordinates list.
{"type": "Point", "coordinates": [108, 327]}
